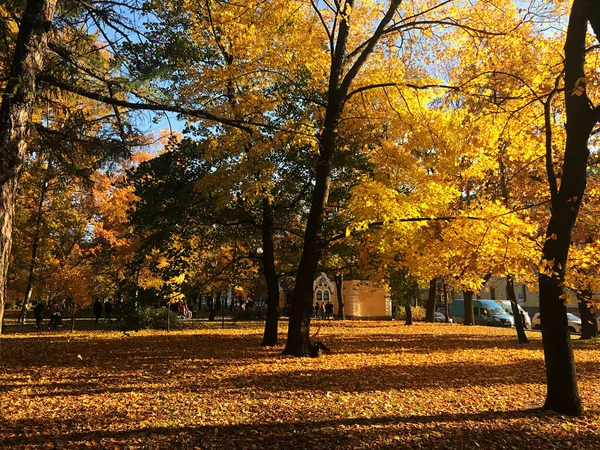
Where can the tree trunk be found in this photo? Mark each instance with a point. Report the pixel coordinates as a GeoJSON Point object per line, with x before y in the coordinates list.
{"type": "Point", "coordinates": [563, 394]}
{"type": "Point", "coordinates": [271, 278]}
{"type": "Point", "coordinates": [446, 311]}
{"type": "Point", "coordinates": [34, 250]}
{"type": "Point", "coordinates": [589, 325]}
{"type": "Point", "coordinates": [339, 285]}
{"type": "Point", "coordinates": [431, 301]}
{"type": "Point", "coordinates": [298, 341]}
{"type": "Point", "coordinates": [469, 316]}
{"type": "Point", "coordinates": [15, 114]}
{"type": "Point", "coordinates": [211, 309]}
{"type": "Point", "coordinates": [72, 315]}
{"type": "Point", "coordinates": [408, 311]}
{"type": "Point", "coordinates": [519, 325]}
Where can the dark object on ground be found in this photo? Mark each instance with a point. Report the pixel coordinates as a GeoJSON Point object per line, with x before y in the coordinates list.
{"type": "Point", "coordinates": [38, 311]}
{"type": "Point", "coordinates": [97, 309]}
{"type": "Point", "coordinates": [318, 348]}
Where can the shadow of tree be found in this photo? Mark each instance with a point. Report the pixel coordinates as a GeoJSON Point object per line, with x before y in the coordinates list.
{"type": "Point", "coordinates": [61, 366]}
{"type": "Point", "coordinates": [489, 430]}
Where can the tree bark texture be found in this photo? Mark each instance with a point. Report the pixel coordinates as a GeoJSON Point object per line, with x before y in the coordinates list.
{"type": "Point", "coordinates": [34, 250]}
{"type": "Point", "coordinates": [15, 115]}
{"type": "Point", "coordinates": [563, 395]}
{"type": "Point", "coordinates": [271, 278]}
{"type": "Point", "coordinates": [469, 316]}
{"type": "Point", "coordinates": [72, 305]}
{"type": "Point", "coordinates": [298, 341]}
{"type": "Point", "coordinates": [519, 325]}
{"type": "Point", "coordinates": [589, 325]}
{"type": "Point", "coordinates": [446, 310]}
{"type": "Point", "coordinates": [211, 309]}
{"type": "Point", "coordinates": [408, 310]}
{"type": "Point", "coordinates": [339, 284]}
{"type": "Point", "coordinates": [431, 301]}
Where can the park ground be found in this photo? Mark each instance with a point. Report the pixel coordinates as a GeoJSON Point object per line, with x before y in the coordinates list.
{"type": "Point", "coordinates": [385, 385]}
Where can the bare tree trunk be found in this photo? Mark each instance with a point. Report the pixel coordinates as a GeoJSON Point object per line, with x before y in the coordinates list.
{"type": "Point", "coordinates": [408, 310]}
{"type": "Point", "coordinates": [589, 325]}
{"type": "Point", "coordinates": [298, 341]}
{"type": "Point", "coordinates": [431, 300]}
{"type": "Point", "coordinates": [211, 308]}
{"type": "Point", "coordinates": [519, 325]}
{"type": "Point", "coordinates": [469, 316]}
{"type": "Point", "coordinates": [72, 315]}
{"type": "Point", "coordinates": [15, 114]}
{"type": "Point", "coordinates": [34, 249]}
{"type": "Point", "coordinates": [446, 311]}
{"type": "Point", "coordinates": [339, 285]}
{"type": "Point", "coordinates": [563, 393]}
{"type": "Point", "coordinates": [271, 278]}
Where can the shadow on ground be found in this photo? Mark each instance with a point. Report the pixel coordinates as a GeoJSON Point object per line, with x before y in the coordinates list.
{"type": "Point", "coordinates": [442, 431]}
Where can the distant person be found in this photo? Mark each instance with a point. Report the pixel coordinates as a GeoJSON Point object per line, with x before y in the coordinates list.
{"type": "Point", "coordinates": [38, 312]}
{"type": "Point", "coordinates": [107, 309]}
{"type": "Point", "coordinates": [317, 309]}
{"type": "Point", "coordinates": [323, 310]}
{"type": "Point", "coordinates": [328, 310]}
{"type": "Point", "coordinates": [97, 309]}
{"type": "Point", "coordinates": [55, 316]}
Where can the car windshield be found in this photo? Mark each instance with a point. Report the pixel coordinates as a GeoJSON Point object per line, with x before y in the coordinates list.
{"type": "Point", "coordinates": [573, 317]}
{"type": "Point", "coordinates": [496, 311]}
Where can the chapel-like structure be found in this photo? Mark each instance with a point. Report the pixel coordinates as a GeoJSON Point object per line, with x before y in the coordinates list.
{"type": "Point", "coordinates": [362, 299]}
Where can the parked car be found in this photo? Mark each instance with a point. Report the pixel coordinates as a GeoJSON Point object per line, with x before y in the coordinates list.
{"type": "Point", "coordinates": [508, 308]}
{"type": "Point", "coordinates": [440, 317]}
{"type": "Point", "coordinates": [486, 312]}
{"type": "Point", "coordinates": [573, 320]}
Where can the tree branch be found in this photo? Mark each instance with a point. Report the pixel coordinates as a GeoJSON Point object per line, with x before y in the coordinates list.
{"type": "Point", "coordinates": [49, 79]}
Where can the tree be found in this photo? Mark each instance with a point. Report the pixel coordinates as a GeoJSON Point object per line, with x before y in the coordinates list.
{"type": "Point", "coordinates": [71, 61]}
{"type": "Point", "coordinates": [189, 193]}
{"type": "Point", "coordinates": [343, 71]}
{"type": "Point", "coordinates": [562, 395]}
{"type": "Point", "coordinates": [405, 289]}
{"type": "Point", "coordinates": [36, 238]}
{"type": "Point", "coordinates": [16, 113]}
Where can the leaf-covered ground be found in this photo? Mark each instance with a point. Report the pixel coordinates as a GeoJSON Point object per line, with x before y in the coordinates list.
{"type": "Point", "coordinates": [385, 386]}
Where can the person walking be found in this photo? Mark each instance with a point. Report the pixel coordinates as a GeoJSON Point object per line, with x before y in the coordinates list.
{"type": "Point", "coordinates": [328, 310]}
{"type": "Point", "coordinates": [38, 312]}
{"type": "Point", "coordinates": [55, 316]}
{"type": "Point", "coordinates": [97, 309]}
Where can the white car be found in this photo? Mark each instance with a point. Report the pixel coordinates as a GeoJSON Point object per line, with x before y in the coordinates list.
{"type": "Point", "coordinates": [440, 317]}
{"type": "Point", "coordinates": [573, 320]}
{"type": "Point", "coordinates": [508, 308]}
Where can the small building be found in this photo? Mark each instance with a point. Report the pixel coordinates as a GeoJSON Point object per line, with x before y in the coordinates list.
{"type": "Point", "coordinates": [366, 300]}
{"type": "Point", "coordinates": [324, 290]}
{"type": "Point", "coordinates": [362, 299]}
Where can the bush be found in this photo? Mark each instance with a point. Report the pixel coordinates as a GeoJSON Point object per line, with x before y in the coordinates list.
{"type": "Point", "coordinates": [251, 314]}
{"type": "Point", "coordinates": [148, 318]}
{"type": "Point", "coordinates": [418, 313]}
